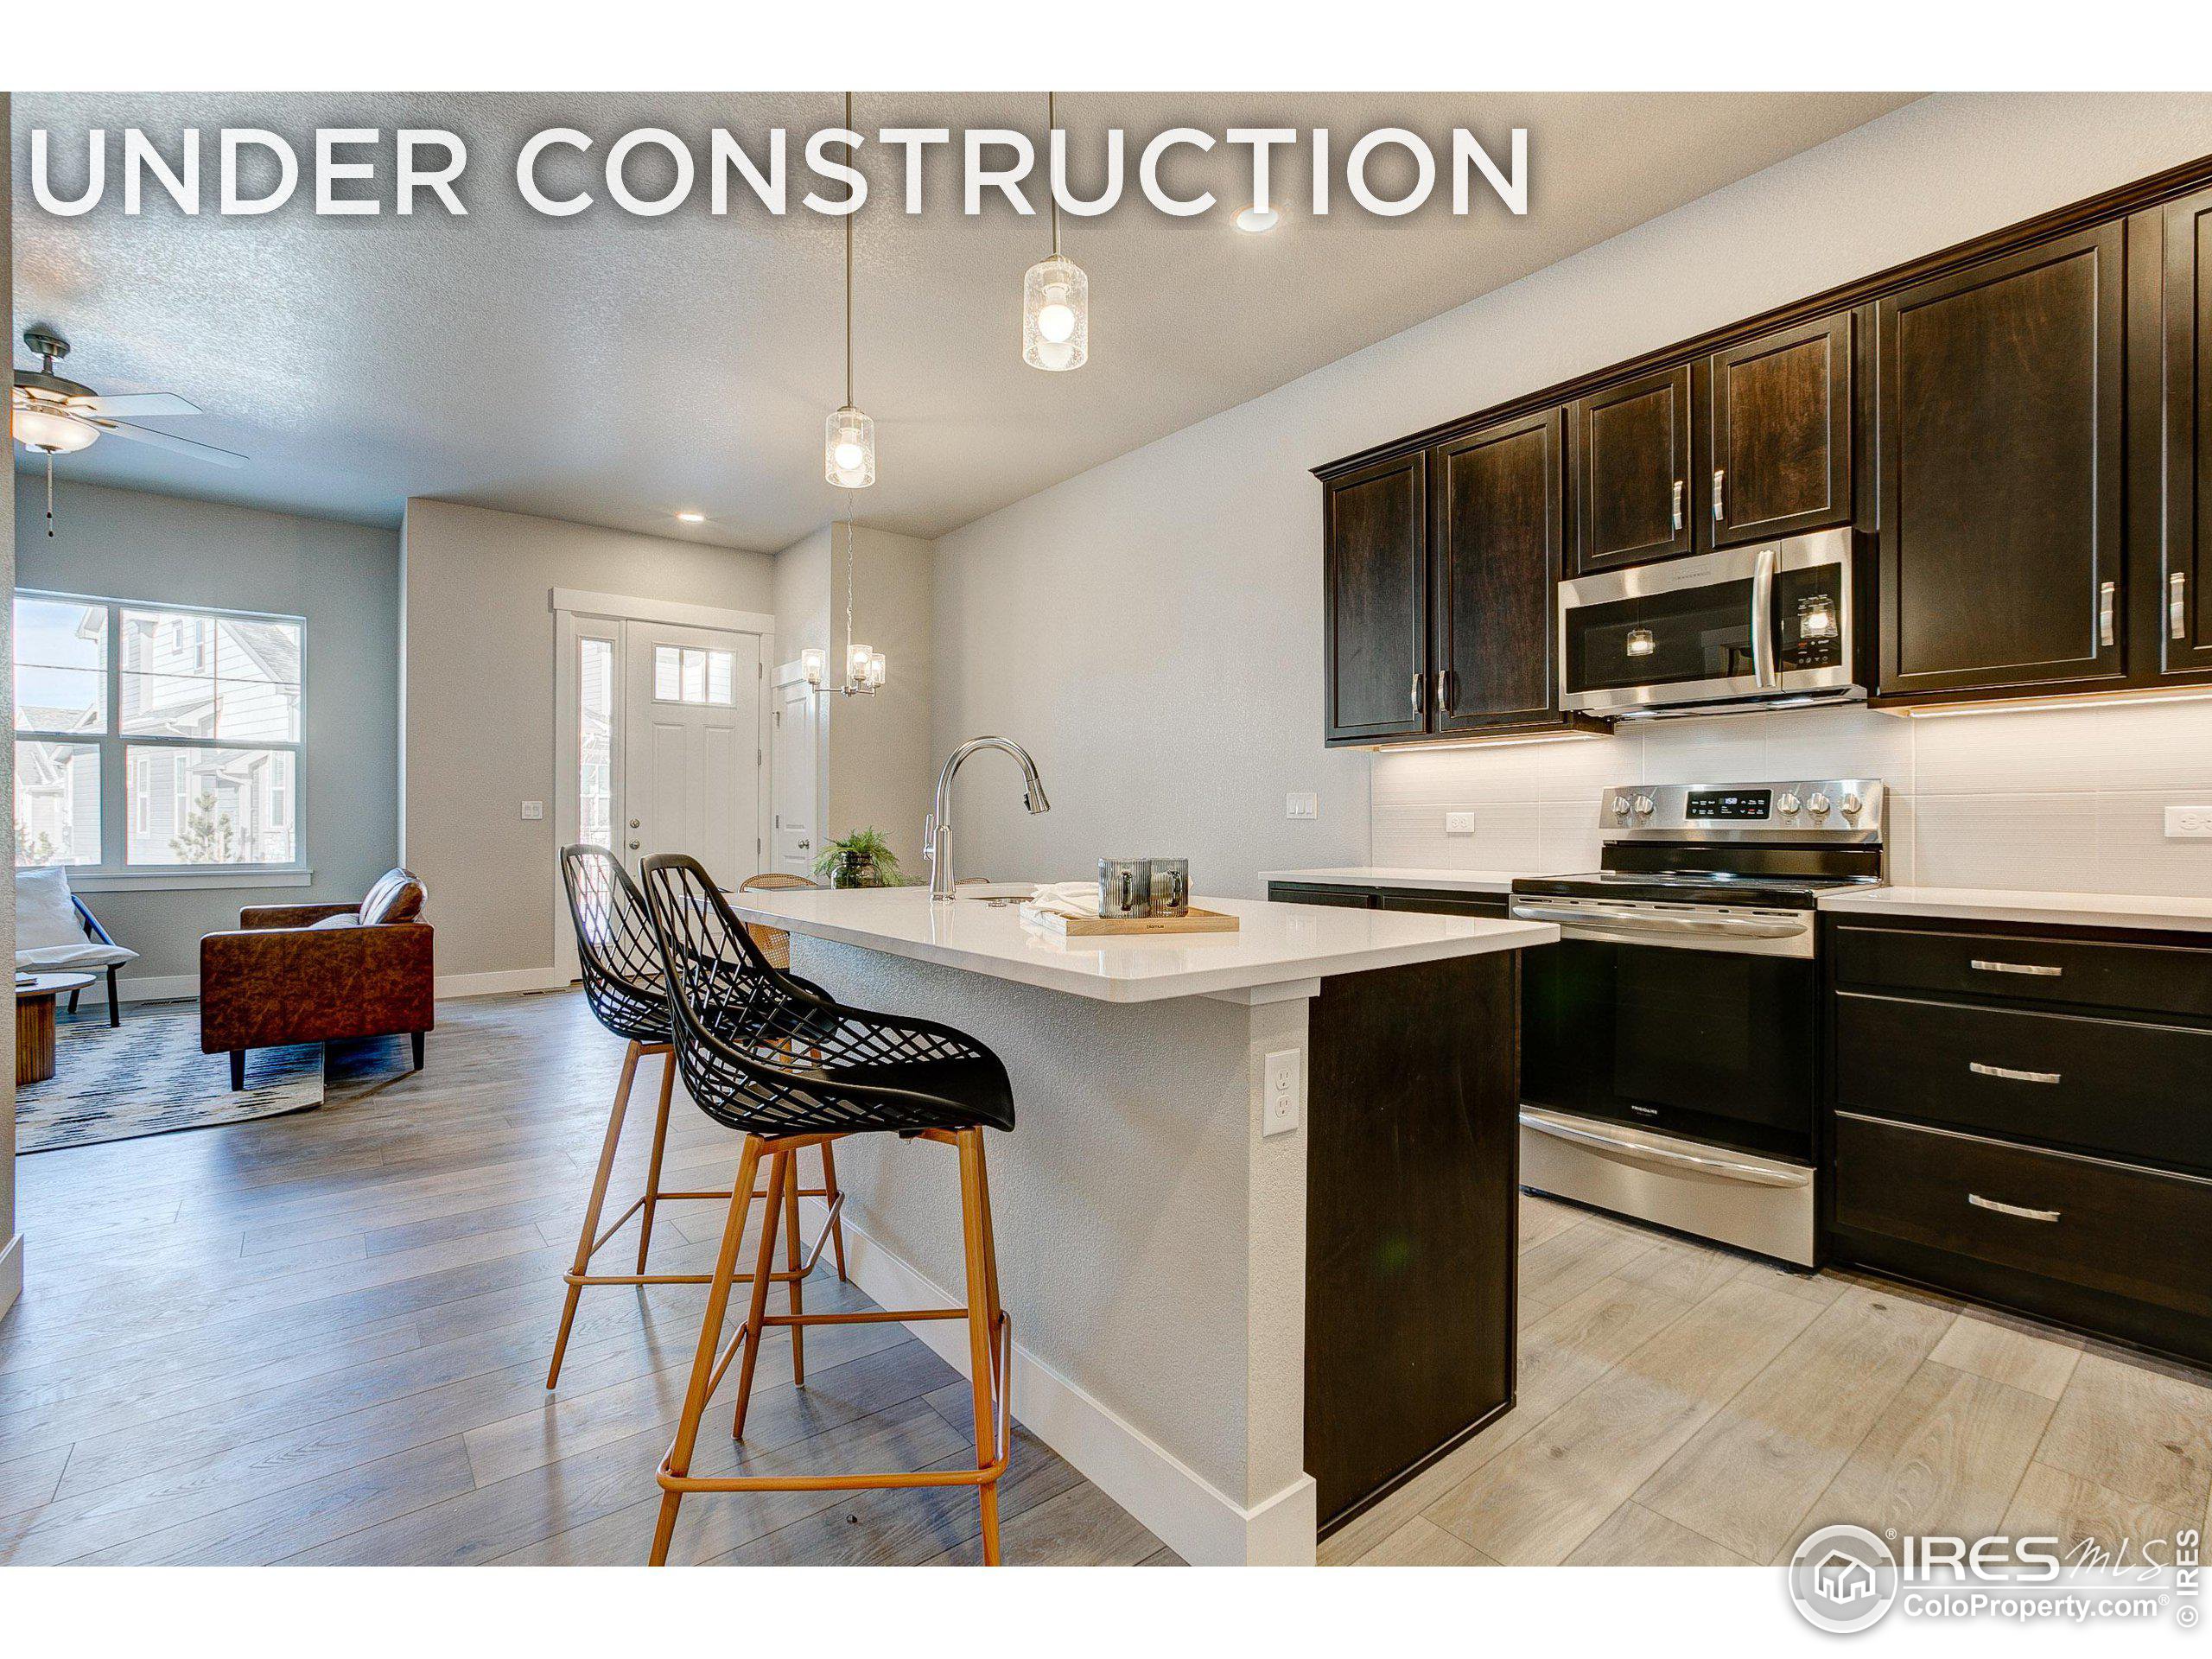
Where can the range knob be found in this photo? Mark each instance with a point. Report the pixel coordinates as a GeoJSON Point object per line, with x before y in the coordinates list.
{"type": "Point", "coordinates": [1820, 803]}
{"type": "Point", "coordinates": [1620, 806]}
{"type": "Point", "coordinates": [1789, 803]}
{"type": "Point", "coordinates": [1643, 807]}
{"type": "Point", "coordinates": [1851, 805]}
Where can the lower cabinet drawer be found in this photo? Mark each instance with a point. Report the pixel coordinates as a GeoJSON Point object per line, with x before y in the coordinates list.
{"type": "Point", "coordinates": [2128, 1090]}
{"type": "Point", "coordinates": [2082, 1221]}
{"type": "Point", "coordinates": [2089, 972]}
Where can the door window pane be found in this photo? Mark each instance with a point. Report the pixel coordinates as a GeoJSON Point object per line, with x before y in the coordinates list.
{"type": "Point", "coordinates": [57, 804]}
{"type": "Point", "coordinates": [694, 675]}
{"type": "Point", "coordinates": [668, 670]}
{"type": "Point", "coordinates": [721, 675]}
{"type": "Point", "coordinates": [192, 676]}
{"type": "Point", "coordinates": [214, 806]}
{"type": "Point", "coordinates": [61, 665]}
{"type": "Point", "coordinates": [595, 743]}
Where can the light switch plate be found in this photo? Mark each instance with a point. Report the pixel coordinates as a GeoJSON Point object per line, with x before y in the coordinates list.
{"type": "Point", "coordinates": [1458, 823]}
{"type": "Point", "coordinates": [1278, 1114]}
{"type": "Point", "coordinates": [533, 809]}
{"type": "Point", "coordinates": [1301, 806]}
{"type": "Point", "coordinates": [2189, 823]}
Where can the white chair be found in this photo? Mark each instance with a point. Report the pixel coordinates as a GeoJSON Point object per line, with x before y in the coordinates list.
{"type": "Point", "coordinates": [56, 934]}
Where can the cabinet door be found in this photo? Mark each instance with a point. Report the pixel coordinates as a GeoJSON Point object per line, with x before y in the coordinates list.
{"type": "Point", "coordinates": [1632, 473]}
{"type": "Point", "coordinates": [2183, 575]}
{"type": "Point", "coordinates": [1778, 434]}
{"type": "Point", "coordinates": [1375, 555]}
{"type": "Point", "coordinates": [1499, 535]}
{"type": "Point", "coordinates": [2001, 488]}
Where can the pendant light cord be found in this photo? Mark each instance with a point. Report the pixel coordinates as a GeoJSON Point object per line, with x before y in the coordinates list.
{"type": "Point", "coordinates": [849, 279]}
{"type": "Point", "coordinates": [1049, 190]}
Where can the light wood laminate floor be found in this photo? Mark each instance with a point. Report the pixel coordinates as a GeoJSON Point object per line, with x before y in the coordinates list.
{"type": "Point", "coordinates": [323, 1338]}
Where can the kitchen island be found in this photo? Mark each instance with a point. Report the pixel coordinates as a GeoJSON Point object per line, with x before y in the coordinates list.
{"type": "Point", "coordinates": [1255, 1225]}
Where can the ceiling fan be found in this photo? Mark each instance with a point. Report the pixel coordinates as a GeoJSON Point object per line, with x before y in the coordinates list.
{"type": "Point", "coordinates": [56, 416]}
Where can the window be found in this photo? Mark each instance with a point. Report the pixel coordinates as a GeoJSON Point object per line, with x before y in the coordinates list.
{"type": "Point", "coordinates": [595, 742]}
{"type": "Point", "coordinates": [195, 717]}
{"type": "Point", "coordinates": [689, 674]}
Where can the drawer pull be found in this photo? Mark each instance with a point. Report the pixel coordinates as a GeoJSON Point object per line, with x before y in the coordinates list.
{"type": "Point", "coordinates": [2016, 1209]}
{"type": "Point", "coordinates": [1981, 1071]}
{"type": "Point", "coordinates": [2037, 969]}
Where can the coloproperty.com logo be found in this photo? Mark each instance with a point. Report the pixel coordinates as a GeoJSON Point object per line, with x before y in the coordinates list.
{"type": "Point", "coordinates": [1846, 1578]}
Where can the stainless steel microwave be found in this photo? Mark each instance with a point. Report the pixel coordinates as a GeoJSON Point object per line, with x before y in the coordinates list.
{"type": "Point", "coordinates": [1769, 625]}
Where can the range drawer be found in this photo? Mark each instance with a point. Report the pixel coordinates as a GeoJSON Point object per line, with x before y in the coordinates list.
{"type": "Point", "coordinates": [1445, 904]}
{"type": "Point", "coordinates": [2127, 1090]}
{"type": "Point", "coordinates": [2145, 978]}
{"type": "Point", "coordinates": [2101, 1226]}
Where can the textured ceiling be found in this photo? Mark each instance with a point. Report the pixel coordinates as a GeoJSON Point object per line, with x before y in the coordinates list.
{"type": "Point", "coordinates": [609, 369]}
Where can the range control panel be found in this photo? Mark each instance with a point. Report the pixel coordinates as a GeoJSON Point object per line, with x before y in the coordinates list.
{"type": "Point", "coordinates": [1843, 807]}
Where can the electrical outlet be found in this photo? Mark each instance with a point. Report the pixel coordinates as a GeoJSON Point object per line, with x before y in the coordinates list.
{"type": "Point", "coordinates": [533, 809]}
{"type": "Point", "coordinates": [1458, 823]}
{"type": "Point", "coordinates": [1280, 1112]}
{"type": "Point", "coordinates": [2189, 824]}
{"type": "Point", "coordinates": [1301, 806]}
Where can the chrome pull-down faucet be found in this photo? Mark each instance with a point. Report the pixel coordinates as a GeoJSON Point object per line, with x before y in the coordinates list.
{"type": "Point", "coordinates": [936, 833]}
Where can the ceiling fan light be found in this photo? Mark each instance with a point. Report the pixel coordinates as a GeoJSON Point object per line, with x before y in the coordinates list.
{"type": "Point", "coordinates": [848, 449]}
{"type": "Point", "coordinates": [50, 430]}
{"type": "Point", "coordinates": [1056, 315]}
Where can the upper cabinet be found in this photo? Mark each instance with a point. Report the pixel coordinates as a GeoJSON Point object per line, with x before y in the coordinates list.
{"type": "Point", "coordinates": [1778, 433]}
{"type": "Point", "coordinates": [2180, 568]}
{"type": "Point", "coordinates": [1499, 531]}
{"type": "Point", "coordinates": [1375, 557]}
{"type": "Point", "coordinates": [2002, 489]}
{"type": "Point", "coordinates": [1632, 473]}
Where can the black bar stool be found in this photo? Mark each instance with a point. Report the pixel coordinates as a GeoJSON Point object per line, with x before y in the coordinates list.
{"type": "Point", "coordinates": [774, 1058]}
{"type": "Point", "coordinates": [620, 961]}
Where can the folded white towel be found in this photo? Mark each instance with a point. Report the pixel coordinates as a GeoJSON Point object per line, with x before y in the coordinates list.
{"type": "Point", "coordinates": [1066, 898]}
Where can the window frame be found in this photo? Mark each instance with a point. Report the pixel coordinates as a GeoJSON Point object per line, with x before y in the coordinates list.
{"type": "Point", "coordinates": [118, 787]}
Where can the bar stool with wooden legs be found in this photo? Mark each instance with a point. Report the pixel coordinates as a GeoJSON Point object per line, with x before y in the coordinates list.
{"type": "Point", "coordinates": [622, 983]}
{"type": "Point", "coordinates": [775, 1059]}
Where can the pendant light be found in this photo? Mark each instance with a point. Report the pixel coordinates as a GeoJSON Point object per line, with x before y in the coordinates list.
{"type": "Point", "coordinates": [865, 668]}
{"type": "Point", "coordinates": [1055, 294]}
{"type": "Point", "coordinates": [848, 437]}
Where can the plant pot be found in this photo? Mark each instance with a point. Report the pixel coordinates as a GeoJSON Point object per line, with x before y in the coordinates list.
{"type": "Point", "coordinates": [855, 870]}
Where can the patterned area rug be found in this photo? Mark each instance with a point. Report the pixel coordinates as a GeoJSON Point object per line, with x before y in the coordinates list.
{"type": "Point", "coordinates": [148, 1077]}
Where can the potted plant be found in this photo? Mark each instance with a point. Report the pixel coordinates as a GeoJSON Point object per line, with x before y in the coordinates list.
{"type": "Point", "coordinates": [862, 859]}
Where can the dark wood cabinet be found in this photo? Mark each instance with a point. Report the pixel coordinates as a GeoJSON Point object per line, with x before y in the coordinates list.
{"type": "Point", "coordinates": [1499, 536]}
{"type": "Point", "coordinates": [1375, 560]}
{"type": "Point", "coordinates": [2002, 487]}
{"type": "Point", "coordinates": [1631, 464]}
{"type": "Point", "coordinates": [2180, 571]}
{"type": "Point", "coordinates": [1777, 433]}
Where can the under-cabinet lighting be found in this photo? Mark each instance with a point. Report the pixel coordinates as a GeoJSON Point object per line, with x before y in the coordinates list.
{"type": "Point", "coordinates": [1487, 743]}
{"type": "Point", "coordinates": [2026, 705]}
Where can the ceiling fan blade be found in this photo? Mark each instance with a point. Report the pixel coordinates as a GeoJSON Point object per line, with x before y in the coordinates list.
{"type": "Point", "coordinates": [135, 402]}
{"type": "Point", "coordinates": [163, 440]}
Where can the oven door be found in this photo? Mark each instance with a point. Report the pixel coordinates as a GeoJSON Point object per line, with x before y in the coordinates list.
{"type": "Point", "coordinates": [1751, 624]}
{"type": "Point", "coordinates": [1712, 1045]}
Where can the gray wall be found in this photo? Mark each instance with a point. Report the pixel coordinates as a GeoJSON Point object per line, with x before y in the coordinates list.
{"type": "Point", "coordinates": [1179, 730]}
{"type": "Point", "coordinates": [344, 579]}
{"type": "Point", "coordinates": [479, 711]}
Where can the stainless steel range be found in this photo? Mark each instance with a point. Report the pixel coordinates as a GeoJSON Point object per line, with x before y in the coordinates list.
{"type": "Point", "coordinates": [1671, 1041]}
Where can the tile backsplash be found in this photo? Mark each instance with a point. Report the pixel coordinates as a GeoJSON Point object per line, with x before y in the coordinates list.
{"type": "Point", "coordinates": [2062, 799]}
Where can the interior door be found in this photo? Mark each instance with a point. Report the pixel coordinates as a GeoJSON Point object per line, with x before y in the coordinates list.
{"type": "Point", "coordinates": [691, 761]}
{"type": "Point", "coordinates": [796, 738]}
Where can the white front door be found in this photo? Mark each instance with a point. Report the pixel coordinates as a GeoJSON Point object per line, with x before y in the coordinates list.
{"type": "Point", "coordinates": [691, 759]}
{"type": "Point", "coordinates": [796, 736]}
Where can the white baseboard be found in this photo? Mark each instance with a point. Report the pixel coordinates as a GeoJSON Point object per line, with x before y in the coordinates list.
{"type": "Point", "coordinates": [11, 1274]}
{"type": "Point", "coordinates": [505, 983]}
{"type": "Point", "coordinates": [1184, 1510]}
{"type": "Point", "coordinates": [155, 987]}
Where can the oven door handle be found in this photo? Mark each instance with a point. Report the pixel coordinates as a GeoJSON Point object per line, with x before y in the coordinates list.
{"type": "Point", "coordinates": [1762, 641]}
{"type": "Point", "coordinates": [1645, 1151]}
{"type": "Point", "coordinates": [1630, 925]}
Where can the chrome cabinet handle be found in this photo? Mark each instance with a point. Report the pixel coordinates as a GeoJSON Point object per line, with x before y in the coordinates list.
{"type": "Point", "coordinates": [2177, 606]}
{"type": "Point", "coordinates": [1444, 689]}
{"type": "Point", "coordinates": [1982, 1071]}
{"type": "Point", "coordinates": [1413, 695]}
{"type": "Point", "coordinates": [2040, 971]}
{"type": "Point", "coordinates": [2106, 593]}
{"type": "Point", "coordinates": [1680, 488]}
{"type": "Point", "coordinates": [1763, 618]}
{"type": "Point", "coordinates": [1719, 473]}
{"type": "Point", "coordinates": [2020, 1210]}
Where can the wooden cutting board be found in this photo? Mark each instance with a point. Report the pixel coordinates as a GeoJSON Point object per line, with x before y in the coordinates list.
{"type": "Point", "coordinates": [1085, 927]}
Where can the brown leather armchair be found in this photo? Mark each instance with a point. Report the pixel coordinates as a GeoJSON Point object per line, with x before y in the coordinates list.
{"type": "Point", "coordinates": [319, 974]}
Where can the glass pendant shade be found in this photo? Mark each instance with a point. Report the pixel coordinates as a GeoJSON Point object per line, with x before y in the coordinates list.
{"type": "Point", "coordinates": [51, 431]}
{"type": "Point", "coordinates": [857, 663]}
{"type": "Point", "coordinates": [848, 449]}
{"type": "Point", "coordinates": [1056, 315]}
{"type": "Point", "coordinates": [878, 671]}
{"type": "Point", "coordinates": [811, 663]}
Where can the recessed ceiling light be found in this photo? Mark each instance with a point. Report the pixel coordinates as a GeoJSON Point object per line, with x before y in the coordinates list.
{"type": "Point", "coordinates": [690, 518]}
{"type": "Point", "coordinates": [1256, 219]}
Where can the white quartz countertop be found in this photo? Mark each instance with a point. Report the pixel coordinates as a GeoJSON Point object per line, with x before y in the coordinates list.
{"type": "Point", "coordinates": [1390, 875]}
{"type": "Point", "coordinates": [1276, 944]}
{"type": "Point", "coordinates": [2007, 904]}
